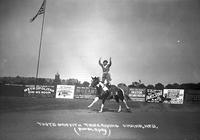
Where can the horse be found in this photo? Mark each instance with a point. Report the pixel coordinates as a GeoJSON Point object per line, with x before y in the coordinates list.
{"type": "Point", "coordinates": [106, 93]}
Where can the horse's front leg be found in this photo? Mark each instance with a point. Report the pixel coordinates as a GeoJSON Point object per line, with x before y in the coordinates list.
{"type": "Point", "coordinates": [120, 108]}
{"type": "Point", "coordinates": [117, 100]}
{"type": "Point", "coordinates": [94, 101]}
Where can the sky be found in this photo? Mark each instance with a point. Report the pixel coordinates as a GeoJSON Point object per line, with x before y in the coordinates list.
{"type": "Point", "coordinates": [148, 40]}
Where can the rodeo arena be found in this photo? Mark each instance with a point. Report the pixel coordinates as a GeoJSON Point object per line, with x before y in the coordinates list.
{"type": "Point", "coordinates": [61, 112]}
{"type": "Point", "coordinates": [69, 110]}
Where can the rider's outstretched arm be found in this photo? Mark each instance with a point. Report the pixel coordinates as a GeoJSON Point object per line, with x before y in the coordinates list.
{"type": "Point", "coordinates": [100, 62]}
{"type": "Point", "coordinates": [110, 63]}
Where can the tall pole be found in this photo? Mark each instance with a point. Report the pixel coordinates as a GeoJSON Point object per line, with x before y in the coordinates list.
{"type": "Point", "coordinates": [38, 63]}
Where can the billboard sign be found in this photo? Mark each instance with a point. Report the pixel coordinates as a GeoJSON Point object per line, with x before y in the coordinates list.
{"type": "Point", "coordinates": [65, 91]}
{"type": "Point", "coordinates": [153, 95]}
{"type": "Point", "coordinates": [41, 91]}
{"type": "Point", "coordinates": [192, 95]}
{"type": "Point", "coordinates": [137, 94]}
{"type": "Point", "coordinates": [85, 93]}
{"type": "Point", "coordinates": [174, 96]}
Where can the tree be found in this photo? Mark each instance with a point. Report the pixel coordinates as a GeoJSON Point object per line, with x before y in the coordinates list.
{"type": "Point", "coordinates": [173, 86]}
{"type": "Point", "coordinates": [159, 86]}
{"type": "Point", "coordinates": [137, 85]}
{"type": "Point", "coordinates": [57, 79]}
{"type": "Point", "coordinates": [150, 87]}
{"type": "Point", "coordinates": [86, 84]}
{"type": "Point", "coordinates": [141, 86]}
{"type": "Point", "coordinates": [73, 82]}
{"type": "Point", "coordinates": [190, 86]}
{"type": "Point", "coordinates": [169, 86]}
{"type": "Point", "coordinates": [41, 81]}
{"type": "Point", "coordinates": [176, 86]}
{"type": "Point", "coordinates": [131, 86]}
{"type": "Point", "coordinates": [18, 80]}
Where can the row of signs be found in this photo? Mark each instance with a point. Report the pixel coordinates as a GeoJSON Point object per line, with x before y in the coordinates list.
{"type": "Point", "coordinates": [61, 91]}
{"type": "Point", "coordinates": [68, 91]}
{"type": "Point", "coordinates": [173, 96]}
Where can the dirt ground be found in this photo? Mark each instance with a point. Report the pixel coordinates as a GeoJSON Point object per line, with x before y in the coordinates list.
{"type": "Point", "coordinates": [61, 119]}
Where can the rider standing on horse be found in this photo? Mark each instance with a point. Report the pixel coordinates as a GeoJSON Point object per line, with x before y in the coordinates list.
{"type": "Point", "coordinates": [106, 68]}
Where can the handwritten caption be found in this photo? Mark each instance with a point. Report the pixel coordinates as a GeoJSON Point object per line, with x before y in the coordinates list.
{"type": "Point", "coordinates": [96, 128]}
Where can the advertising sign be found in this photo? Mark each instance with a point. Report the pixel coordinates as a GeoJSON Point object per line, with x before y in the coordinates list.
{"type": "Point", "coordinates": [154, 95]}
{"type": "Point", "coordinates": [85, 93]}
{"type": "Point", "coordinates": [65, 91]}
{"type": "Point", "coordinates": [192, 95]}
{"type": "Point", "coordinates": [41, 91]}
{"type": "Point", "coordinates": [173, 96]}
{"type": "Point", "coordinates": [137, 94]}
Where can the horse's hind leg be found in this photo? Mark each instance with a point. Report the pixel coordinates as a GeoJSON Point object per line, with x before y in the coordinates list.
{"type": "Point", "coordinates": [120, 108]}
{"type": "Point", "coordinates": [122, 98]}
{"type": "Point", "coordinates": [127, 107]}
{"type": "Point", "coordinates": [101, 110]}
{"type": "Point", "coordinates": [94, 101]}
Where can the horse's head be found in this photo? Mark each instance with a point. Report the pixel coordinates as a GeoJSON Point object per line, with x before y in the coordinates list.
{"type": "Point", "coordinates": [95, 81]}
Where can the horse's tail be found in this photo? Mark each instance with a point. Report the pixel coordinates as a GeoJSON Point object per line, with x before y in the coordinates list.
{"type": "Point", "coordinates": [127, 97]}
{"type": "Point", "coordinates": [125, 93]}
{"type": "Point", "coordinates": [128, 92]}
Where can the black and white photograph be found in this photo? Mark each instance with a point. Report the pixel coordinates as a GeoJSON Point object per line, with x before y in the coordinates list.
{"type": "Point", "coordinates": [99, 69]}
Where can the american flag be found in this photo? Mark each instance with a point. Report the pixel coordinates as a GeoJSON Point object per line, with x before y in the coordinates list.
{"type": "Point", "coordinates": [41, 11]}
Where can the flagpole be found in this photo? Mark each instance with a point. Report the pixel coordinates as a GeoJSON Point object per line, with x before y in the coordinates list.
{"type": "Point", "coordinates": [40, 46]}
